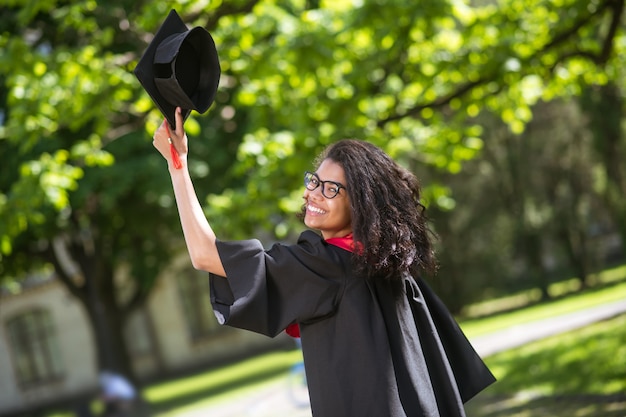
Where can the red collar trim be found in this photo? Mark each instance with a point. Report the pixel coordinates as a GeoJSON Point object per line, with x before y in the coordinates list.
{"type": "Point", "coordinates": [346, 242]}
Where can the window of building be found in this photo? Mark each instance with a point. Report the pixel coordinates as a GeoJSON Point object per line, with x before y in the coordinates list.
{"type": "Point", "coordinates": [34, 349]}
{"type": "Point", "coordinates": [196, 302]}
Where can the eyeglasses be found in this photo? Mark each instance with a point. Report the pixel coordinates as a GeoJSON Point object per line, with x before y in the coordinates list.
{"type": "Point", "coordinates": [312, 181]}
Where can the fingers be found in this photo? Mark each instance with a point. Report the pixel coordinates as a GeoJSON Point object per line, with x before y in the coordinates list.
{"type": "Point", "coordinates": [160, 132]}
{"type": "Point", "coordinates": [166, 137]}
{"type": "Point", "coordinates": [161, 136]}
{"type": "Point", "coordinates": [179, 123]}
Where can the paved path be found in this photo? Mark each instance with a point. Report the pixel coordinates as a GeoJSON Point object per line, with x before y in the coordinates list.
{"type": "Point", "coordinates": [274, 400]}
{"type": "Point", "coordinates": [529, 332]}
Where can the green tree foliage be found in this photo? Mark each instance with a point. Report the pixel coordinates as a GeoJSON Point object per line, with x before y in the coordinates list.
{"type": "Point", "coordinates": [79, 176]}
{"type": "Point", "coordinates": [414, 86]}
{"type": "Point", "coordinates": [84, 194]}
{"type": "Point", "coordinates": [527, 208]}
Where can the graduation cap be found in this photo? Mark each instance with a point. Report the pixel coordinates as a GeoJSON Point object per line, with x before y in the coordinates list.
{"type": "Point", "coordinates": [180, 68]}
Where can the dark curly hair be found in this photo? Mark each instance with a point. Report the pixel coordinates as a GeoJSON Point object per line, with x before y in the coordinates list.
{"type": "Point", "coordinates": [388, 219]}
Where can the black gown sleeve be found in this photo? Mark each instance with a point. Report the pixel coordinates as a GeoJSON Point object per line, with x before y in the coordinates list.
{"type": "Point", "coordinates": [264, 291]}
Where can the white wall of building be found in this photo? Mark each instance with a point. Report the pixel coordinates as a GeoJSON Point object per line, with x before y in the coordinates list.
{"type": "Point", "coordinates": [73, 338]}
{"type": "Point", "coordinates": [171, 350]}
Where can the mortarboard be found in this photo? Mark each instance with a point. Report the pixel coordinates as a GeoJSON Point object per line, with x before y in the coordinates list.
{"type": "Point", "coordinates": [180, 68]}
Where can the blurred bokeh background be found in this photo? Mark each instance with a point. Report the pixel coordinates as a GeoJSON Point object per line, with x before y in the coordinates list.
{"type": "Point", "coordinates": [511, 113]}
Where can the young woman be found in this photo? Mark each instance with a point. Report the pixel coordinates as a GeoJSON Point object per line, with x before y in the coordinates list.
{"type": "Point", "coordinates": [376, 340]}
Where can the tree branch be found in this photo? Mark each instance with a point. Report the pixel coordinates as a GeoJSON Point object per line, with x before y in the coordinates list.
{"type": "Point", "coordinates": [617, 7]}
{"type": "Point", "coordinates": [226, 9]}
{"type": "Point", "coordinates": [438, 102]}
{"type": "Point", "coordinates": [603, 56]}
{"type": "Point", "coordinates": [566, 34]}
{"type": "Point", "coordinates": [618, 11]}
{"type": "Point", "coordinates": [64, 267]}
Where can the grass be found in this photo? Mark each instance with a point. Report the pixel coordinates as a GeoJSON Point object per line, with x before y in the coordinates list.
{"type": "Point", "coordinates": [582, 368]}
{"type": "Point", "coordinates": [589, 360]}
{"type": "Point", "coordinates": [577, 374]}
{"type": "Point", "coordinates": [524, 299]}
{"type": "Point", "coordinates": [211, 387]}
{"type": "Point", "coordinates": [610, 287]}
{"type": "Point", "coordinates": [580, 373]}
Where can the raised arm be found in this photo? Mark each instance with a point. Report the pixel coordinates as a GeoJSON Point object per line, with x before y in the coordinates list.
{"type": "Point", "coordinates": [199, 235]}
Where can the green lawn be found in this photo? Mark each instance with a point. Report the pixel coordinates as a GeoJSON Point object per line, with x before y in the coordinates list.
{"type": "Point", "coordinates": [577, 374]}
{"type": "Point", "coordinates": [590, 360]}
{"type": "Point", "coordinates": [539, 376]}
{"type": "Point", "coordinates": [216, 385]}
{"type": "Point", "coordinates": [610, 287]}
{"type": "Point", "coordinates": [581, 373]}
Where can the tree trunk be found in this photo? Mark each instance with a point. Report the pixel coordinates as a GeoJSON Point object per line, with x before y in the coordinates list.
{"type": "Point", "coordinates": [604, 106]}
{"type": "Point", "coordinates": [576, 248]}
{"type": "Point", "coordinates": [81, 267]}
{"type": "Point", "coordinates": [533, 250]}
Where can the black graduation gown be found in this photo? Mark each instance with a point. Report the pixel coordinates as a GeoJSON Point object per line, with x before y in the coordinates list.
{"type": "Point", "coordinates": [371, 348]}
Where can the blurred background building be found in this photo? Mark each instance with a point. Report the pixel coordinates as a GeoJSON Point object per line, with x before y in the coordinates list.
{"type": "Point", "coordinates": [47, 352]}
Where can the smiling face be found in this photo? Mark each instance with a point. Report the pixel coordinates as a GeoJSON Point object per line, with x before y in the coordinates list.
{"type": "Point", "coordinates": [331, 216]}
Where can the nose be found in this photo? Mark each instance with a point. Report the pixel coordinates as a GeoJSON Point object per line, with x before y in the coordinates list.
{"type": "Point", "coordinates": [316, 193]}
